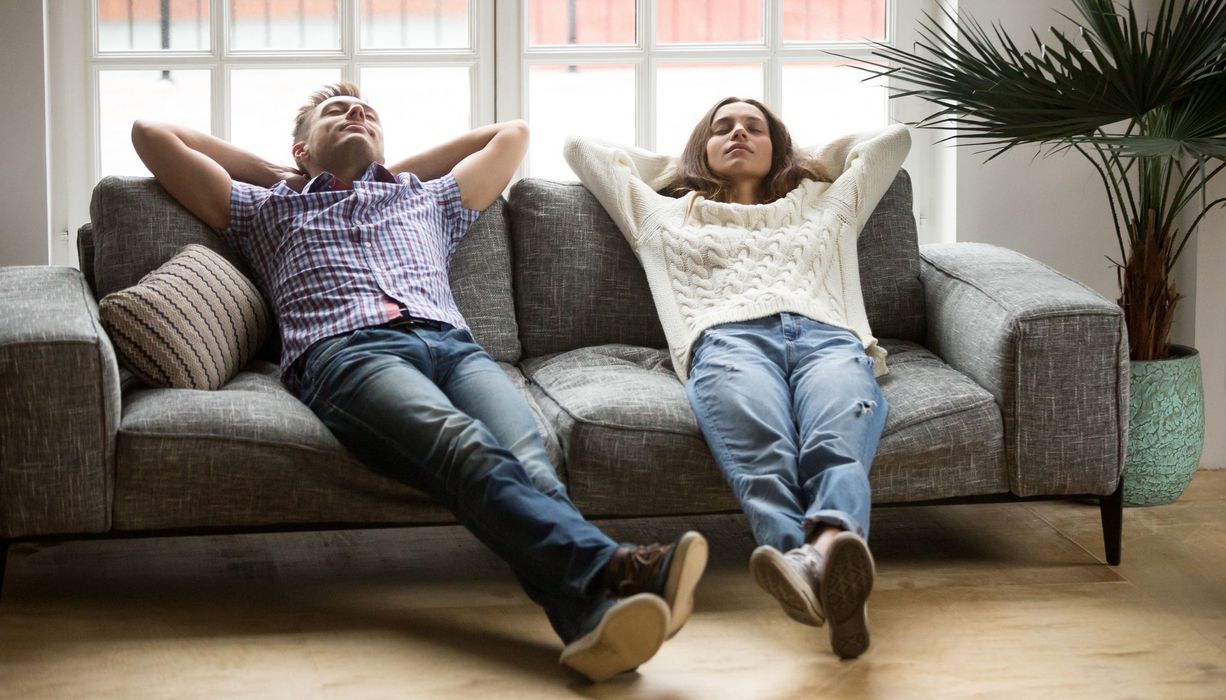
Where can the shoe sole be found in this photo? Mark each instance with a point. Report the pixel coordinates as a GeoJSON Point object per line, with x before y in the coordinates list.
{"type": "Point", "coordinates": [689, 561]}
{"type": "Point", "coordinates": [775, 576]}
{"type": "Point", "coordinates": [629, 634]}
{"type": "Point", "coordinates": [847, 581]}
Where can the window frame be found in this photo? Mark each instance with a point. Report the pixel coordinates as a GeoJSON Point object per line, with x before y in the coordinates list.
{"type": "Point", "coordinates": [221, 60]}
{"type": "Point", "coordinates": [498, 57]}
{"type": "Point", "coordinates": [516, 57]}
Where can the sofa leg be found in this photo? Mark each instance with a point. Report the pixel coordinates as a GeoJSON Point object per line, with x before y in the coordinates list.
{"type": "Point", "coordinates": [4, 557]}
{"type": "Point", "coordinates": [1112, 509]}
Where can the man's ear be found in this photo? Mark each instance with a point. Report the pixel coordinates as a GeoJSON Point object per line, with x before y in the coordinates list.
{"type": "Point", "coordinates": [299, 152]}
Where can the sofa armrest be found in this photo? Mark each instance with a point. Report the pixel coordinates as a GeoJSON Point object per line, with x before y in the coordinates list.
{"type": "Point", "coordinates": [1052, 351]}
{"type": "Point", "coordinates": [59, 405]}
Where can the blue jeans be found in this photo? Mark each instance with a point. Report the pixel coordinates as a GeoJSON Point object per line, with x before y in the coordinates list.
{"type": "Point", "coordinates": [792, 414]}
{"type": "Point", "coordinates": [429, 408]}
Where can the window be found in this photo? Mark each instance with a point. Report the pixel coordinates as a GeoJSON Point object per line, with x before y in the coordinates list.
{"type": "Point", "coordinates": [241, 68]}
{"type": "Point", "coordinates": [645, 71]}
{"type": "Point", "coordinates": [628, 71]}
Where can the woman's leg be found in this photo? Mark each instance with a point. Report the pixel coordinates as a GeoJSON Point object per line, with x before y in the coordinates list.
{"type": "Point", "coordinates": [840, 413]}
{"type": "Point", "coordinates": [739, 392]}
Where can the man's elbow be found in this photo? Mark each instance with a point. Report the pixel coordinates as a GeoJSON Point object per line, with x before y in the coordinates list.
{"type": "Point", "coordinates": [518, 130]}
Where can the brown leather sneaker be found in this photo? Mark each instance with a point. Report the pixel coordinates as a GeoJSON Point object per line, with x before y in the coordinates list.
{"type": "Point", "coordinates": [792, 579]}
{"type": "Point", "coordinates": [669, 571]}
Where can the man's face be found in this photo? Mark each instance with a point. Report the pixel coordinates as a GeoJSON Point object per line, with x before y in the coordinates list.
{"type": "Point", "coordinates": [343, 131]}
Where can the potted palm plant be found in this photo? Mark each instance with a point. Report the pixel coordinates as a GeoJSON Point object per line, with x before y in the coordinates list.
{"type": "Point", "coordinates": [1145, 103]}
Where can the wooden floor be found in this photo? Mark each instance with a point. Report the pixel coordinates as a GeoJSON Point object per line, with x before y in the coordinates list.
{"type": "Point", "coordinates": [972, 601]}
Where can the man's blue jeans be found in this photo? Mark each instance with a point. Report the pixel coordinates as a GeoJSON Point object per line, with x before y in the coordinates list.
{"type": "Point", "coordinates": [792, 414]}
{"type": "Point", "coordinates": [429, 408]}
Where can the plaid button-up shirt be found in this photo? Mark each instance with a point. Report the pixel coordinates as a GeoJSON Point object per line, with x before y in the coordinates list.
{"type": "Point", "coordinates": [332, 261]}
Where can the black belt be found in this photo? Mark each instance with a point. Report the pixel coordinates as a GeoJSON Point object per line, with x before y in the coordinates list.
{"type": "Point", "coordinates": [406, 321]}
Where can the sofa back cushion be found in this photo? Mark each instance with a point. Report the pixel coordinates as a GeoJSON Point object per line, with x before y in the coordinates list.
{"type": "Point", "coordinates": [578, 283]}
{"type": "Point", "coordinates": [137, 226]}
{"type": "Point", "coordinates": [888, 250]}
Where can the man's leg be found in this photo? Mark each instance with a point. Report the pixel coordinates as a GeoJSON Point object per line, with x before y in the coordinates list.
{"type": "Point", "coordinates": [480, 388]}
{"type": "Point", "coordinates": [376, 393]}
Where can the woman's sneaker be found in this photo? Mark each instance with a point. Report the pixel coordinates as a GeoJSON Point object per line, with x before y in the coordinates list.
{"type": "Point", "coordinates": [629, 633]}
{"type": "Point", "coordinates": [846, 582]}
{"type": "Point", "coordinates": [792, 579]}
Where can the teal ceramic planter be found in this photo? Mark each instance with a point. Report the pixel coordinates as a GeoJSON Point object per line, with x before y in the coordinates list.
{"type": "Point", "coordinates": [1166, 429]}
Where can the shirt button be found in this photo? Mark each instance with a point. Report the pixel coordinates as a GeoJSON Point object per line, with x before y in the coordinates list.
{"type": "Point", "coordinates": [367, 244]}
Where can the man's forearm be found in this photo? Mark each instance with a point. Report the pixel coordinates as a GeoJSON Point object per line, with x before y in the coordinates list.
{"type": "Point", "coordinates": [440, 160]}
{"type": "Point", "coordinates": [241, 165]}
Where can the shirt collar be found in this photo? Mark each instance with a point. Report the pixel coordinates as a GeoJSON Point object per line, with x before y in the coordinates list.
{"type": "Point", "coordinates": [324, 181]}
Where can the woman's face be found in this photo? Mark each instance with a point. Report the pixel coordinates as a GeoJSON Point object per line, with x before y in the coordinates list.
{"type": "Point", "coordinates": [740, 143]}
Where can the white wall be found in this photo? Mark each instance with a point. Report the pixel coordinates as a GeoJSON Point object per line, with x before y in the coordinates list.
{"type": "Point", "coordinates": [1204, 285]}
{"type": "Point", "coordinates": [25, 223]}
{"type": "Point", "coordinates": [1055, 209]}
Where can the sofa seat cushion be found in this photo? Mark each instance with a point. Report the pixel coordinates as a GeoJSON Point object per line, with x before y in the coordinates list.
{"type": "Point", "coordinates": [633, 447]}
{"type": "Point", "coordinates": [944, 436]}
{"type": "Point", "coordinates": [630, 441]}
{"type": "Point", "coordinates": [247, 455]}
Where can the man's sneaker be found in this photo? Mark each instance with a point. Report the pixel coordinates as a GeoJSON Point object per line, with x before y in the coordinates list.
{"type": "Point", "coordinates": [669, 571]}
{"type": "Point", "coordinates": [791, 578]}
{"type": "Point", "coordinates": [631, 632]}
{"type": "Point", "coordinates": [846, 582]}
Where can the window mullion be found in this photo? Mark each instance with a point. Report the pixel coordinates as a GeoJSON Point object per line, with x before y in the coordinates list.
{"type": "Point", "coordinates": [219, 47]}
{"type": "Point", "coordinates": [772, 89]}
{"type": "Point", "coordinates": [645, 74]}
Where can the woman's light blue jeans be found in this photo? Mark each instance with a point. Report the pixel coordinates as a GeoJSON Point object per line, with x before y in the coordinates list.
{"type": "Point", "coordinates": [428, 407]}
{"type": "Point", "coordinates": [793, 415]}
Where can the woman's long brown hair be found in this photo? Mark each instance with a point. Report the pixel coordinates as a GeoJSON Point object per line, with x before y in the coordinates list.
{"type": "Point", "coordinates": [788, 168]}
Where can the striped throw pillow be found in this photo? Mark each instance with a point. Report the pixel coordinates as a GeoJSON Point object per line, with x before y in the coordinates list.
{"type": "Point", "coordinates": [192, 323]}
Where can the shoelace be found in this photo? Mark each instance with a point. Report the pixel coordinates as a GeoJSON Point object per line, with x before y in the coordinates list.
{"type": "Point", "coordinates": [808, 560]}
{"type": "Point", "coordinates": [636, 567]}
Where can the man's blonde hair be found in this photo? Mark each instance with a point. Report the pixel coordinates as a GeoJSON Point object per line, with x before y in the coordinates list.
{"type": "Point", "coordinates": [327, 92]}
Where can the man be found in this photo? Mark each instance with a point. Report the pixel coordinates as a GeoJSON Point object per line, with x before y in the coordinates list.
{"type": "Point", "coordinates": [355, 267]}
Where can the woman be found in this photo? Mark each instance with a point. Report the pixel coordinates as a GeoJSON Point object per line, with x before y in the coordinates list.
{"type": "Point", "coordinates": [750, 249]}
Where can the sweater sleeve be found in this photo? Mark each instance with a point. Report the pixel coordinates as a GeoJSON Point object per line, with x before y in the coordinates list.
{"type": "Point", "coordinates": [624, 179]}
{"type": "Point", "coordinates": [864, 165]}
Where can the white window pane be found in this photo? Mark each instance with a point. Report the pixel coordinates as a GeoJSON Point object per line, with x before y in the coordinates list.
{"type": "Point", "coordinates": [178, 97]}
{"type": "Point", "coordinates": [263, 103]}
{"type": "Point", "coordinates": [420, 107]}
{"type": "Point", "coordinates": [708, 21]}
{"type": "Point", "coordinates": [594, 100]}
{"type": "Point", "coordinates": [685, 92]}
{"type": "Point", "coordinates": [571, 22]}
{"type": "Point", "coordinates": [148, 25]}
{"type": "Point", "coordinates": [277, 24]}
{"type": "Point", "coordinates": [833, 20]}
{"type": "Point", "coordinates": [822, 101]}
{"type": "Point", "coordinates": [414, 24]}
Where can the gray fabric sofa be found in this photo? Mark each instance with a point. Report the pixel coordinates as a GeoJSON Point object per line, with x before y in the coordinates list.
{"type": "Point", "coordinates": [1008, 380]}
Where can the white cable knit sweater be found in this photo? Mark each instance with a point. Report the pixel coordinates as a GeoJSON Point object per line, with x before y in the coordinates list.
{"type": "Point", "coordinates": [737, 262]}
